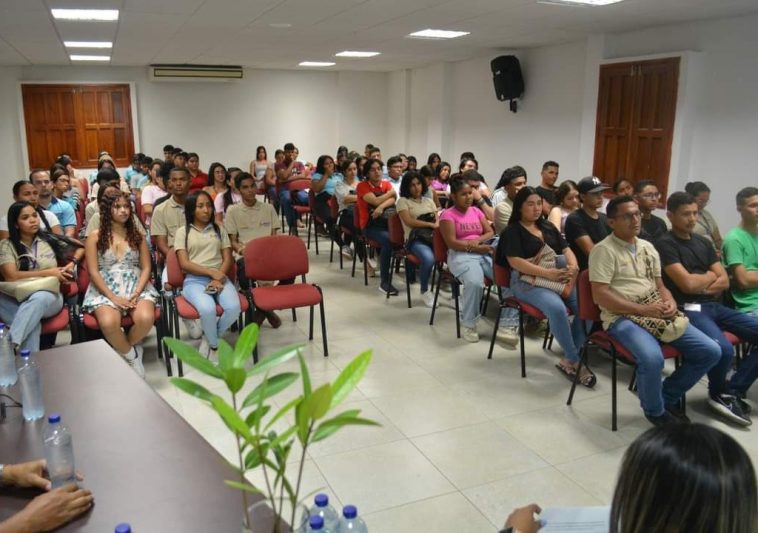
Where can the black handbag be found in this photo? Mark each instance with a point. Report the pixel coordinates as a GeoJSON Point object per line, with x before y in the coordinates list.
{"type": "Point", "coordinates": [382, 221]}
{"type": "Point", "coordinates": [425, 235]}
{"type": "Point", "coordinates": [65, 248]}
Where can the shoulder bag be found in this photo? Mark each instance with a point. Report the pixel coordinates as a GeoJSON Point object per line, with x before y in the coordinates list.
{"type": "Point", "coordinates": [545, 258]}
{"type": "Point", "coordinates": [22, 289]}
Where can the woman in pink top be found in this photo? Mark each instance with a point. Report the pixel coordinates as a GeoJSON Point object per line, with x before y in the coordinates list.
{"type": "Point", "coordinates": [467, 233]}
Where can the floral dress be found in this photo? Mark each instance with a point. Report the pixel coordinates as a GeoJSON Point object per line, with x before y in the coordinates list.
{"type": "Point", "coordinates": [121, 277]}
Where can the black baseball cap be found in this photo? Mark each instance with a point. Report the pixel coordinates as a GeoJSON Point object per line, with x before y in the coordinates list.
{"type": "Point", "coordinates": [591, 184]}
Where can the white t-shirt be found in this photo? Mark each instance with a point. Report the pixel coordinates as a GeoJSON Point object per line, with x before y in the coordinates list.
{"type": "Point", "coordinates": [49, 216]}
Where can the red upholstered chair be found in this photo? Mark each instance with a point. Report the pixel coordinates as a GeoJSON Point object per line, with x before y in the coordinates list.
{"type": "Point", "coordinates": [400, 252]}
{"type": "Point", "coordinates": [590, 312]}
{"type": "Point", "coordinates": [283, 257]}
{"type": "Point", "coordinates": [89, 321]}
{"type": "Point", "coordinates": [66, 316]}
{"type": "Point", "coordinates": [503, 279]}
{"type": "Point", "coordinates": [294, 187]}
{"type": "Point", "coordinates": [443, 273]}
{"type": "Point", "coordinates": [181, 308]}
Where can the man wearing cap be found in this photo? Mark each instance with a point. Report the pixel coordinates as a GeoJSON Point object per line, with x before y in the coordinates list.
{"type": "Point", "coordinates": [586, 226]}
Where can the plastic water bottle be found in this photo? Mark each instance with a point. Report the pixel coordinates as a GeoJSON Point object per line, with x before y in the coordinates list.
{"type": "Point", "coordinates": [322, 508]}
{"type": "Point", "coordinates": [59, 452]}
{"type": "Point", "coordinates": [351, 522]}
{"type": "Point", "coordinates": [123, 528]}
{"type": "Point", "coordinates": [316, 523]}
{"type": "Point", "coordinates": [8, 375]}
{"type": "Point", "coordinates": [31, 387]}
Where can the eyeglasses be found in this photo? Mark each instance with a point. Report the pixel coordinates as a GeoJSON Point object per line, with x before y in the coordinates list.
{"type": "Point", "coordinates": [628, 217]}
{"type": "Point", "coordinates": [651, 195]}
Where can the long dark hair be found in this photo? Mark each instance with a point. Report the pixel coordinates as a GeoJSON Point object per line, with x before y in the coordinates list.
{"type": "Point", "coordinates": [228, 198]}
{"type": "Point", "coordinates": [14, 235]}
{"type": "Point", "coordinates": [212, 170]}
{"type": "Point", "coordinates": [16, 190]}
{"type": "Point", "coordinates": [408, 177]}
{"type": "Point", "coordinates": [518, 204]}
{"type": "Point", "coordinates": [685, 477]}
{"type": "Point", "coordinates": [190, 204]}
{"type": "Point", "coordinates": [321, 163]}
{"type": "Point", "coordinates": [110, 196]}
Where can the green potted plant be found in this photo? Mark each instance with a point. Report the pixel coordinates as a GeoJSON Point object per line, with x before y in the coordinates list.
{"type": "Point", "coordinates": [309, 418]}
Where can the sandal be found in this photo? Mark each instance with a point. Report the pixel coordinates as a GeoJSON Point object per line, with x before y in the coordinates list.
{"type": "Point", "coordinates": [588, 380]}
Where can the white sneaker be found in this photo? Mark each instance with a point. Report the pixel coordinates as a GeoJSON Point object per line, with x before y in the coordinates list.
{"type": "Point", "coordinates": [428, 298]}
{"type": "Point", "coordinates": [134, 359]}
{"type": "Point", "coordinates": [470, 334]}
{"type": "Point", "coordinates": [508, 335]}
{"type": "Point", "coordinates": [204, 348]}
{"type": "Point", "coordinates": [194, 329]}
{"type": "Point", "coordinates": [371, 262]}
{"type": "Point", "coordinates": [347, 252]}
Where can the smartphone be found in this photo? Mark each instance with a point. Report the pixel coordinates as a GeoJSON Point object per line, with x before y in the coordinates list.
{"type": "Point", "coordinates": [560, 261]}
{"type": "Point", "coordinates": [210, 290]}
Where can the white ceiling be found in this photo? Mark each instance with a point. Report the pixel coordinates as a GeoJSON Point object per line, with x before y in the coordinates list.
{"type": "Point", "coordinates": [239, 32]}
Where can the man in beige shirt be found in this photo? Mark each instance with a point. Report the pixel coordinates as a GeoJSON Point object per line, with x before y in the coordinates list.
{"type": "Point", "coordinates": [513, 181]}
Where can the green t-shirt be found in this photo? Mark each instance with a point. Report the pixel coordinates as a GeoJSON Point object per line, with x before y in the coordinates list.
{"type": "Point", "coordinates": [741, 248]}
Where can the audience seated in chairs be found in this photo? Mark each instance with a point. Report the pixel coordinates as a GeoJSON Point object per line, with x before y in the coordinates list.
{"type": "Point", "coordinates": [526, 245]}
{"type": "Point", "coordinates": [24, 191]}
{"type": "Point", "coordinates": [344, 192]}
{"type": "Point", "coordinates": [30, 253]}
{"type": "Point", "coordinates": [625, 273]}
{"type": "Point", "coordinates": [419, 217]}
{"type": "Point", "coordinates": [205, 254]}
{"type": "Point", "coordinates": [467, 234]}
{"type": "Point", "coordinates": [741, 253]}
{"type": "Point", "coordinates": [118, 264]}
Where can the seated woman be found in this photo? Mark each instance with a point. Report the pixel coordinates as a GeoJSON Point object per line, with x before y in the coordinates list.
{"type": "Point", "coordinates": [199, 179]}
{"type": "Point", "coordinates": [263, 170]}
{"type": "Point", "coordinates": [566, 202]}
{"type": "Point", "coordinates": [427, 175]}
{"type": "Point", "coordinates": [416, 211]}
{"type": "Point", "coordinates": [25, 191]}
{"type": "Point", "coordinates": [230, 197]}
{"type": "Point", "coordinates": [62, 188]}
{"type": "Point", "coordinates": [27, 253]}
{"type": "Point", "coordinates": [218, 180]}
{"type": "Point", "coordinates": [118, 262]}
{"type": "Point", "coordinates": [323, 183]}
{"type": "Point", "coordinates": [466, 232]}
{"type": "Point", "coordinates": [152, 191]}
{"type": "Point", "coordinates": [205, 255]}
{"type": "Point", "coordinates": [344, 191]}
{"type": "Point", "coordinates": [522, 240]}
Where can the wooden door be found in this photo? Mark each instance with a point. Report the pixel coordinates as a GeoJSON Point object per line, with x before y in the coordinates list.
{"type": "Point", "coordinates": [635, 121]}
{"type": "Point", "coordinates": [81, 120]}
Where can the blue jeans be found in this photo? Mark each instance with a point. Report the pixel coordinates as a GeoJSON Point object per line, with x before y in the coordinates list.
{"type": "Point", "coordinates": [699, 355]}
{"type": "Point", "coordinates": [194, 291]}
{"type": "Point", "coordinates": [286, 203]}
{"type": "Point", "coordinates": [381, 236]}
{"type": "Point", "coordinates": [470, 270]}
{"type": "Point", "coordinates": [509, 315]}
{"type": "Point", "coordinates": [25, 318]}
{"type": "Point", "coordinates": [714, 318]}
{"type": "Point", "coordinates": [570, 334]}
{"type": "Point", "coordinates": [426, 255]}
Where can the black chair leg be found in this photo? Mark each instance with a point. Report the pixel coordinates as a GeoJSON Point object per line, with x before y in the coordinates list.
{"type": "Point", "coordinates": [323, 322]}
{"type": "Point", "coordinates": [614, 378]}
{"type": "Point", "coordinates": [310, 325]}
{"type": "Point", "coordinates": [315, 233]}
{"type": "Point", "coordinates": [294, 315]}
{"type": "Point", "coordinates": [575, 381]}
{"type": "Point", "coordinates": [456, 293]}
{"type": "Point", "coordinates": [494, 331]}
{"type": "Point", "coordinates": [521, 338]}
{"type": "Point", "coordinates": [435, 270]}
{"type": "Point", "coordinates": [393, 261]}
{"type": "Point", "coordinates": [407, 284]}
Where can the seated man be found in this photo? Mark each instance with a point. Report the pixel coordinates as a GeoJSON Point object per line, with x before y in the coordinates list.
{"type": "Point", "coordinates": [647, 196]}
{"type": "Point", "coordinates": [23, 191]}
{"type": "Point", "coordinates": [290, 169]}
{"type": "Point", "coordinates": [696, 279]}
{"type": "Point", "coordinates": [740, 253]}
{"type": "Point", "coordinates": [47, 200]}
{"type": "Point", "coordinates": [547, 188]}
{"type": "Point", "coordinates": [587, 226]}
{"type": "Point", "coordinates": [623, 271]}
{"type": "Point", "coordinates": [512, 181]}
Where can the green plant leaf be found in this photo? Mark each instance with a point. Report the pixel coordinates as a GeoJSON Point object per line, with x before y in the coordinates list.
{"type": "Point", "coordinates": [231, 417]}
{"type": "Point", "coordinates": [279, 439]}
{"type": "Point", "coordinates": [192, 388]}
{"type": "Point", "coordinates": [283, 411]}
{"type": "Point", "coordinates": [242, 486]}
{"type": "Point", "coordinates": [276, 358]}
{"type": "Point", "coordinates": [257, 415]}
{"type": "Point", "coordinates": [306, 375]}
{"type": "Point", "coordinates": [329, 427]}
{"type": "Point", "coordinates": [274, 385]}
{"type": "Point", "coordinates": [349, 377]}
{"type": "Point", "coordinates": [320, 401]}
{"type": "Point", "coordinates": [301, 419]}
{"type": "Point", "coordinates": [225, 355]}
{"type": "Point", "coordinates": [190, 356]}
{"type": "Point", "coordinates": [235, 379]}
{"type": "Point", "coordinates": [243, 349]}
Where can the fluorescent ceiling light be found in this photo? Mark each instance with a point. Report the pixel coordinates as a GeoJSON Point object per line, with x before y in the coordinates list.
{"type": "Point", "coordinates": [85, 14]}
{"type": "Point", "coordinates": [89, 58]}
{"type": "Point", "coordinates": [349, 53]}
{"type": "Point", "coordinates": [316, 64]}
{"type": "Point", "coordinates": [438, 34]}
{"type": "Point", "coordinates": [88, 44]}
{"type": "Point", "coordinates": [583, 3]}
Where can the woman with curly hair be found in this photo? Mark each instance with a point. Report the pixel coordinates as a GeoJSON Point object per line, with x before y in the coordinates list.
{"type": "Point", "coordinates": [118, 262]}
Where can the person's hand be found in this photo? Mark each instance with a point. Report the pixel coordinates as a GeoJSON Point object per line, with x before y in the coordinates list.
{"type": "Point", "coordinates": [27, 475]}
{"type": "Point", "coordinates": [121, 302]}
{"type": "Point", "coordinates": [70, 267]}
{"type": "Point", "coordinates": [217, 275]}
{"type": "Point", "coordinates": [477, 195]}
{"type": "Point", "coordinates": [573, 271]}
{"type": "Point", "coordinates": [377, 212]}
{"type": "Point", "coordinates": [670, 309]}
{"type": "Point", "coordinates": [59, 273]}
{"type": "Point", "coordinates": [435, 224]}
{"type": "Point", "coordinates": [656, 310]}
{"type": "Point", "coordinates": [53, 509]}
{"type": "Point", "coordinates": [217, 285]}
{"type": "Point", "coordinates": [556, 274]}
{"type": "Point", "coordinates": [522, 519]}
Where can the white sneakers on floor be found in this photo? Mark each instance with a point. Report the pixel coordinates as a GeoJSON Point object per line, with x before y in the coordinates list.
{"type": "Point", "coordinates": [508, 335]}
{"type": "Point", "coordinates": [204, 348]}
{"type": "Point", "coordinates": [134, 359]}
{"type": "Point", "coordinates": [428, 298]}
{"type": "Point", "coordinates": [469, 334]}
{"type": "Point", "coordinates": [194, 329]}
{"type": "Point", "coordinates": [347, 252]}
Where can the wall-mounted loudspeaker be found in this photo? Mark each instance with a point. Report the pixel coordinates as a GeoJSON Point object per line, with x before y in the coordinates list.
{"type": "Point", "coordinates": [506, 75]}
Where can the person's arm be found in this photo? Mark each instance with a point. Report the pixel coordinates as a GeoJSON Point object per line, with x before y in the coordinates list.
{"type": "Point", "coordinates": [26, 475]}
{"type": "Point", "coordinates": [376, 201]}
{"type": "Point", "coordinates": [525, 266]}
{"type": "Point", "coordinates": [96, 277]}
{"type": "Point", "coordinates": [585, 244]}
{"type": "Point", "coordinates": [318, 185]}
{"type": "Point", "coordinates": [77, 257]}
{"type": "Point", "coordinates": [228, 261]}
{"type": "Point", "coordinates": [4, 234]}
{"type": "Point", "coordinates": [10, 272]}
{"type": "Point", "coordinates": [690, 283]}
{"type": "Point", "coordinates": [237, 246]}
{"type": "Point", "coordinates": [55, 229]}
{"type": "Point", "coordinates": [555, 216]}
{"type": "Point", "coordinates": [447, 229]}
{"type": "Point", "coordinates": [609, 299]}
{"type": "Point", "coordinates": [482, 204]}
{"type": "Point", "coordinates": [668, 299]}
{"type": "Point", "coordinates": [49, 511]}
{"type": "Point", "coordinates": [546, 208]}
{"type": "Point", "coordinates": [408, 220]}
{"type": "Point", "coordinates": [147, 210]}
{"type": "Point", "coordinates": [146, 267]}
{"type": "Point", "coordinates": [744, 278]}
{"type": "Point", "coordinates": [193, 268]}
{"type": "Point", "coordinates": [70, 231]}
{"type": "Point", "coordinates": [161, 242]}
{"type": "Point", "coordinates": [268, 178]}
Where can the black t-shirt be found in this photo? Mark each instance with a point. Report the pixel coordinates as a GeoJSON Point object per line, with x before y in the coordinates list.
{"type": "Point", "coordinates": [696, 255]}
{"type": "Point", "coordinates": [516, 241]}
{"type": "Point", "coordinates": [547, 194]}
{"type": "Point", "coordinates": [653, 228]}
{"type": "Point", "coordinates": [579, 224]}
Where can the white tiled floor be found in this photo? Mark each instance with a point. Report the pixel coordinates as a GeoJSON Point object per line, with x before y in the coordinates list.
{"type": "Point", "coordinates": [463, 439]}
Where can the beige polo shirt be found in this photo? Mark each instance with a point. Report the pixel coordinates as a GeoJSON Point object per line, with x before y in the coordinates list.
{"type": "Point", "coordinates": [251, 222]}
{"type": "Point", "coordinates": [632, 275]}
{"type": "Point", "coordinates": [167, 219]}
{"type": "Point", "coordinates": [203, 246]}
{"type": "Point", "coordinates": [503, 212]}
{"type": "Point", "coordinates": [41, 254]}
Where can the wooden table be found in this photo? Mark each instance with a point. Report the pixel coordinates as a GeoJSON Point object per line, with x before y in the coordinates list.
{"type": "Point", "coordinates": [144, 464]}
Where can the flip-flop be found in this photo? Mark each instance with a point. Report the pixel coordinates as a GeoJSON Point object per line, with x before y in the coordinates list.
{"type": "Point", "coordinates": [589, 381]}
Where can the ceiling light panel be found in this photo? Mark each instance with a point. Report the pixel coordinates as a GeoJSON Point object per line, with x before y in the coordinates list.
{"type": "Point", "coordinates": [355, 53]}
{"type": "Point", "coordinates": [99, 15]}
{"type": "Point", "coordinates": [316, 64]}
{"type": "Point", "coordinates": [88, 44]}
{"type": "Point", "coordinates": [75, 57]}
{"type": "Point", "coordinates": [438, 34]}
{"type": "Point", "coordinates": [584, 3]}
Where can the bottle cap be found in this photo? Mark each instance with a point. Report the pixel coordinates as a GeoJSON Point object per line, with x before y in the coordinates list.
{"type": "Point", "coordinates": [54, 418]}
{"type": "Point", "coordinates": [321, 500]}
{"type": "Point", "coordinates": [316, 522]}
{"type": "Point", "coordinates": [2, 324]}
{"type": "Point", "coordinates": [25, 352]}
{"type": "Point", "coordinates": [350, 511]}
{"type": "Point", "coordinates": [123, 528]}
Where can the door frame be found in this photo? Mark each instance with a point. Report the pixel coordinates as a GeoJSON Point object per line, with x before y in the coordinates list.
{"type": "Point", "coordinates": [22, 119]}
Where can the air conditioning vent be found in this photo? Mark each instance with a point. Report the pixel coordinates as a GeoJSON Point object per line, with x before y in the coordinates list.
{"type": "Point", "coordinates": [195, 72]}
